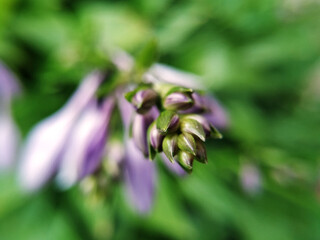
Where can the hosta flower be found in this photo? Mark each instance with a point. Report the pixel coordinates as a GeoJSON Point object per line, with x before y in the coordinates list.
{"type": "Point", "coordinates": [160, 117]}
{"type": "Point", "coordinates": [48, 141]}
{"type": "Point", "coordinates": [9, 134]}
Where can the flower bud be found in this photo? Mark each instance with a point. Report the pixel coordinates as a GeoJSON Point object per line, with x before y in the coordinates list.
{"type": "Point", "coordinates": [201, 153]}
{"type": "Point", "coordinates": [140, 126]}
{"type": "Point", "coordinates": [193, 127]}
{"type": "Point", "coordinates": [187, 143]}
{"type": "Point", "coordinates": [209, 130]}
{"type": "Point", "coordinates": [168, 121]}
{"type": "Point", "coordinates": [178, 101]}
{"type": "Point", "coordinates": [155, 137]}
{"type": "Point", "coordinates": [185, 160]}
{"type": "Point", "coordinates": [143, 100]}
{"type": "Point", "coordinates": [169, 146]}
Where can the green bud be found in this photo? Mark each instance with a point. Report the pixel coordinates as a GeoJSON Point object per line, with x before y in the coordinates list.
{"type": "Point", "coordinates": [151, 150]}
{"type": "Point", "coordinates": [208, 128]}
{"type": "Point", "coordinates": [168, 121]}
{"type": "Point", "coordinates": [201, 153]}
{"type": "Point", "coordinates": [193, 127]}
{"type": "Point", "coordinates": [169, 146]}
{"type": "Point", "coordinates": [143, 100]}
{"type": "Point", "coordinates": [177, 101]}
{"type": "Point", "coordinates": [187, 143]}
{"type": "Point", "coordinates": [185, 160]}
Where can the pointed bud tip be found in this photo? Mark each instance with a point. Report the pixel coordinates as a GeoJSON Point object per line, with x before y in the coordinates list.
{"type": "Point", "coordinates": [186, 142]}
{"type": "Point", "coordinates": [193, 127]}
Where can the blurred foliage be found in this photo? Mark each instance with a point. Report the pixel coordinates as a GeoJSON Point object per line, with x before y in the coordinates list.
{"type": "Point", "coordinates": [260, 58]}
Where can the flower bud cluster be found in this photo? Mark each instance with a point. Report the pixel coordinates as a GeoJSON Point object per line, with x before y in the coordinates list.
{"type": "Point", "coordinates": [177, 129]}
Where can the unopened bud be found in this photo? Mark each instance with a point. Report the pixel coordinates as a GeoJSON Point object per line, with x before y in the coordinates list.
{"type": "Point", "coordinates": [168, 121]}
{"type": "Point", "coordinates": [193, 127]}
{"type": "Point", "coordinates": [209, 130]}
{"type": "Point", "coordinates": [143, 100]}
{"type": "Point", "coordinates": [169, 146]}
{"type": "Point", "coordinates": [178, 101]}
{"type": "Point", "coordinates": [185, 160]}
{"type": "Point", "coordinates": [201, 153]}
{"type": "Point", "coordinates": [155, 137]}
{"type": "Point", "coordinates": [187, 143]}
{"type": "Point", "coordinates": [139, 132]}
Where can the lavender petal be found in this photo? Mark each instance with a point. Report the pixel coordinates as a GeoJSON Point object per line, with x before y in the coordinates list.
{"type": "Point", "coordinates": [86, 144]}
{"type": "Point", "coordinates": [216, 115]}
{"type": "Point", "coordinates": [173, 167]}
{"type": "Point", "coordinates": [9, 86]}
{"type": "Point", "coordinates": [46, 142]}
{"type": "Point", "coordinates": [140, 178]}
{"type": "Point", "coordinates": [162, 73]}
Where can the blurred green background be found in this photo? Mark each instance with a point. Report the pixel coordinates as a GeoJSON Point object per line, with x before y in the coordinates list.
{"type": "Point", "coordinates": [260, 58]}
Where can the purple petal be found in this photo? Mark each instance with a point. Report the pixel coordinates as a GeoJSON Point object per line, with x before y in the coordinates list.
{"type": "Point", "coordinates": [140, 127]}
{"type": "Point", "coordinates": [46, 142]}
{"type": "Point", "coordinates": [173, 167]}
{"type": "Point", "coordinates": [140, 177]}
{"type": "Point", "coordinates": [86, 144]}
{"type": "Point", "coordinates": [163, 73]}
{"type": "Point", "coordinates": [9, 140]}
{"type": "Point", "coordinates": [250, 178]}
{"type": "Point", "coordinates": [139, 132]}
{"type": "Point", "coordinates": [122, 60]}
{"type": "Point", "coordinates": [126, 109]}
{"type": "Point", "coordinates": [216, 115]}
{"type": "Point", "coordinates": [97, 145]}
{"type": "Point", "coordinates": [8, 84]}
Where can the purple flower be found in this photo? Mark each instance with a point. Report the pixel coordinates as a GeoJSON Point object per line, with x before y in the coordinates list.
{"type": "Point", "coordinates": [86, 145]}
{"type": "Point", "coordinates": [9, 86]}
{"type": "Point", "coordinates": [48, 141]}
{"type": "Point", "coordinates": [140, 173]}
{"type": "Point", "coordinates": [9, 134]}
{"type": "Point", "coordinates": [72, 143]}
{"type": "Point", "coordinates": [250, 178]}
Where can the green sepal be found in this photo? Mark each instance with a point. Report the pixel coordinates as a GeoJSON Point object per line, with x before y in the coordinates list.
{"type": "Point", "coordinates": [187, 143]}
{"type": "Point", "coordinates": [201, 155]}
{"type": "Point", "coordinates": [215, 133]}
